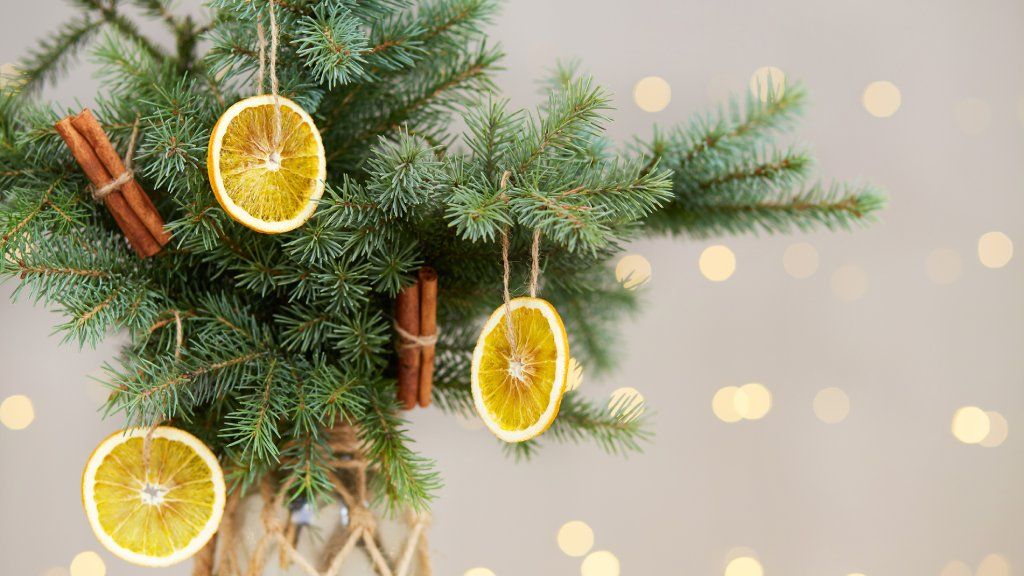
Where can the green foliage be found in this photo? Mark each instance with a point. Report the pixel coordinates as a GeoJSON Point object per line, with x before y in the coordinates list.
{"type": "Point", "coordinates": [259, 344]}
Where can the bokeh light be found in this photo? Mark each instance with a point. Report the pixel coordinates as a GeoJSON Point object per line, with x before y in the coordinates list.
{"type": "Point", "coordinates": [998, 430]}
{"type": "Point", "coordinates": [17, 412]}
{"type": "Point", "coordinates": [831, 405]}
{"type": "Point", "coordinates": [717, 263]}
{"type": "Point", "coordinates": [753, 401]}
{"type": "Point", "coordinates": [970, 424]}
{"type": "Point", "coordinates": [759, 82]}
{"type": "Point", "coordinates": [575, 538]}
{"type": "Point", "coordinates": [88, 563]}
{"type": "Point", "coordinates": [55, 571]}
{"type": "Point", "coordinates": [993, 565]}
{"type": "Point", "coordinates": [849, 282]}
{"type": "Point", "coordinates": [575, 375]}
{"type": "Point", "coordinates": [8, 74]}
{"type": "Point", "coordinates": [995, 249]}
{"type": "Point", "coordinates": [956, 568]}
{"type": "Point", "coordinates": [724, 404]}
{"type": "Point", "coordinates": [744, 566]}
{"type": "Point", "coordinates": [881, 99]}
{"type": "Point", "coordinates": [943, 266]}
{"type": "Point", "coordinates": [800, 260]}
{"type": "Point", "coordinates": [600, 563]}
{"type": "Point", "coordinates": [626, 403]}
{"type": "Point", "coordinates": [478, 571]}
{"type": "Point", "coordinates": [973, 115]}
{"type": "Point", "coordinates": [633, 271]}
{"type": "Point", "coordinates": [652, 94]}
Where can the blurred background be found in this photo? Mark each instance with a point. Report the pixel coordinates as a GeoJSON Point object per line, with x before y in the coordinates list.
{"type": "Point", "coordinates": [826, 404]}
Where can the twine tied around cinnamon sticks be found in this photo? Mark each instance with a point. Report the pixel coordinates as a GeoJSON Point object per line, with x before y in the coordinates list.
{"type": "Point", "coordinates": [113, 181]}
{"type": "Point", "coordinates": [416, 325]}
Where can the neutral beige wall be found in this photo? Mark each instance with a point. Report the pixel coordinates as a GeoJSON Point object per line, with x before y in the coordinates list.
{"type": "Point", "coordinates": [887, 491]}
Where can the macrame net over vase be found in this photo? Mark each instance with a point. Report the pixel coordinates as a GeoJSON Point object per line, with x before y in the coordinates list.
{"type": "Point", "coordinates": [263, 535]}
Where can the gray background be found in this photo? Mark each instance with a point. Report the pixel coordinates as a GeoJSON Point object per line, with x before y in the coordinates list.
{"type": "Point", "coordinates": [887, 491]}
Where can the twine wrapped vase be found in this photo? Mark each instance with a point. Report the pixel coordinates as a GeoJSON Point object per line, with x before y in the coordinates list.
{"type": "Point", "coordinates": [262, 535]}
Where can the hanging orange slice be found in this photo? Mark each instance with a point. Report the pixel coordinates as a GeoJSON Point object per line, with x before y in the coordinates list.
{"type": "Point", "coordinates": [157, 514]}
{"type": "Point", "coordinates": [518, 384]}
{"type": "Point", "coordinates": [268, 181]}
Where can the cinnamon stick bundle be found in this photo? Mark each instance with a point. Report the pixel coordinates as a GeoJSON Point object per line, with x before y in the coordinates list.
{"type": "Point", "coordinates": [416, 319]}
{"type": "Point", "coordinates": [131, 208]}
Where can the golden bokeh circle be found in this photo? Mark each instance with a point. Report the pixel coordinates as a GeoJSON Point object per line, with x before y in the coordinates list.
{"type": "Point", "coordinates": [882, 99]}
{"type": "Point", "coordinates": [633, 271]}
{"type": "Point", "coordinates": [849, 282]}
{"type": "Point", "coordinates": [88, 563]}
{"type": "Point", "coordinates": [998, 430]}
{"type": "Point", "coordinates": [717, 263]}
{"type": "Point", "coordinates": [626, 403]}
{"type": "Point", "coordinates": [970, 425]}
{"type": "Point", "coordinates": [995, 249]}
{"type": "Point", "coordinates": [764, 77]}
{"type": "Point", "coordinates": [575, 379]}
{"type": "Point", "coordinates": [753, 401]}
{"type": "Point", "coordinates": [652, 94]}
{"type": "Point", "coordinates": [600, 563]}
{"type": "Point", "coordinates": [956, 568]}
{"type": "Point", "coordinates": [831, 405]}
{"type": "Point", "coordinates": [479, 571]}
{"type": "Point", "coordinates": [575, 538]}
{"type": "Point", "coordinates": [993, 565]}
{"type": "Point", "coordinates": [724, 404]}
{"type": "Point", "coordinates": [17, 412]}
{"type": "Point", "coordinates": [800, 260]}
{"type": "Point", "coordinates": [744, 566]}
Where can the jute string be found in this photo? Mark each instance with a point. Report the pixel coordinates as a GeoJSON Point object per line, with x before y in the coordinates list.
{"type": "Point", "coordinates": [410, 340]}
{"type": "Point", "coordinates": [275, 40]}
{"type": "Point", "coordinates": [510, 331]}
{"type": "Point", "coordinates": [221, 558]}
{"type": "Point", "coordinates": [99, 194]}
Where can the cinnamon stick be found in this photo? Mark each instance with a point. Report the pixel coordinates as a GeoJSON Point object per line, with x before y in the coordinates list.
{"type": "Point", "coordinates": [407, 316]}
{"type": "Point", "coordinates": [428, 327]}
{"type": "Point", "coordinates": [137, 199]}
{"type": "Point", "coordinates": [139, 238]}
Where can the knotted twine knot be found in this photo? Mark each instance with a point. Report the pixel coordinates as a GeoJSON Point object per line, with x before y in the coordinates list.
{"type": "Point", "coordinates": [409, 340]}
{"type": "Point", "coordinates": [361, 517]}
{"type": "Point", "coordinates": [99, 194]}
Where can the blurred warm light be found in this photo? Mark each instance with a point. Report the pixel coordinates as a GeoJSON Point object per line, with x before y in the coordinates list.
{"type": "Point", "coordinates": [652, 94]}
{"type": "Point", "coordinates": [831, 405]}
{"type": "Point", "coordinates": [849, 282]}
{"type": "Point", "coordinates": [973, 115]}
{"type": "Point", "coordinates": [8, 74]}
{"type": "Point", "coordinates": [717, 263]}
{"type": "Point", "coordinates": [993, 565]}
{"type": "Point", "coordinates": [753, 401]}
{"type": "Point", "coordinates": [744, 566]}
{"type": "Point", "coordinates": [856, 574]}
{"type": "Point", "coordinates": [998, 430]}
{"type": "Point", "coordinates": [800, 260]}
{"type": "Point", "coordinates": [16, 412]}
{"type": "Point", "coordinates": [628, 403]}
{"type": "Point", "coordinates": [575, 538]}
{"type": "Point", "coordinates": [720, 88]}
{"type": "Point", "coordinates": [633, 271]}
{"type": "Point", "coordinates": [995, 249]}
{"type": "Point", "coordinates": [956, 568]}
{"type": "Point", "coordinates": [88, 563]}
{"type": "Point", "coordinates": [575, 374]}
{"type": "Point", "coordinates": [882, 99]}
{"type": "Point", "coordinates": [970, 424]}
{"type": "Point", "coordinates": [478, 572]}
{"type": "Point", "coordinates": [759, 82]}
{"type": "Point", "coordinates": [600, 563]}
{"type": "Point", "coordinates": [55, 571]}
{"type": "Point", "coordinates": [724, 404]}
{"type": "Point", "coordinates": [943, 266]}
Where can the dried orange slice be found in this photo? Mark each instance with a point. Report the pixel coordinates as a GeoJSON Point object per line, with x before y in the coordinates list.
{"type": "Point", "coordinates": [267, 181]}
{"type": "Point", "coordinates": [155, 515]}
{"type": "Point", "coordinates": [518, 385]}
